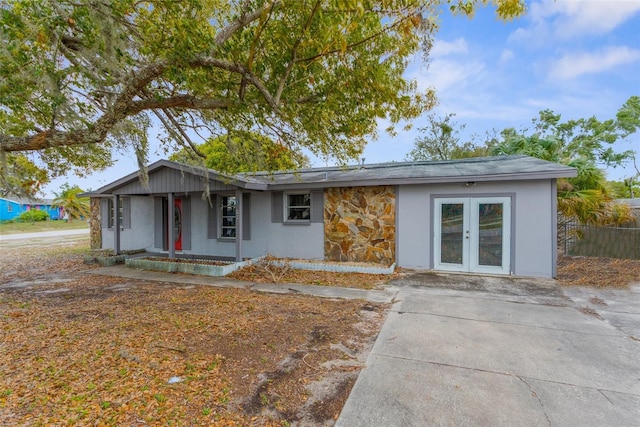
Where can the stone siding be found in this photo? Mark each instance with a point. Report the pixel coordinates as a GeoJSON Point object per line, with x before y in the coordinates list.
{"type": "Point", "coordinates": [360, 224]}
{"type": "Point", "coordinates": [95, 227]}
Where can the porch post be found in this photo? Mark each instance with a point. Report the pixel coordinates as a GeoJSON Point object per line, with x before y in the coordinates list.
{"type": "Point", "coordinates": [116, 224]}
{"type": "Point", "coordinates": [238, 225]}
{"type": "Point", "coordinates": [170, 222]}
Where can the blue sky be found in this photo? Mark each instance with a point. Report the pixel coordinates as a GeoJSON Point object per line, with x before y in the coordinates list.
{"type": "Point", "coordinates": [579, 58]}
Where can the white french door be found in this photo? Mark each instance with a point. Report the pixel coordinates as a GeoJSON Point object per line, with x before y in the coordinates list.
{"type": "Point", "coordinates": [473, 234]}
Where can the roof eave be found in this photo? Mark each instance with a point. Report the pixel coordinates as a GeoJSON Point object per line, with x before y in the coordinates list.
{"type": "Point", "coordinates": [566, 173]}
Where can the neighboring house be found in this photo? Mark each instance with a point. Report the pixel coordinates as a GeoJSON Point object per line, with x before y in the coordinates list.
{"type": "Point", "coordinates": [494, 215]}
{"type": "Point", "coordinates": [11, 209]}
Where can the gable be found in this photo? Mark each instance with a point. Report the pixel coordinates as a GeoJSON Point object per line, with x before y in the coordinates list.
{"type": "Point", "coordinates": [165, 180]}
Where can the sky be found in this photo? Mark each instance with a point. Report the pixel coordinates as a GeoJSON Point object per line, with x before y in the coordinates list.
{"type": "Point", "coordinates": [579, 58]}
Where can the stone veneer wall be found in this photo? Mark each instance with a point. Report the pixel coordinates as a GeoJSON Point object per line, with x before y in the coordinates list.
{"type": "Point", "coordinates": [360, 224]}
{"type": "Point", "coordinates": [95, 227]}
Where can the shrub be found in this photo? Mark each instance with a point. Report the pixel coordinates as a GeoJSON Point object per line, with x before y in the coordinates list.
{"type": "Point", "coordinates": [33, 215]}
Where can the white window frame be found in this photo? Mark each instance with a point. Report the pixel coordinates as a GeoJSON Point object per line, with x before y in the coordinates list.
{"type": "Point", "coordinates": [287, 207]}
{"type": "Point", "coordinates": [221, 217]}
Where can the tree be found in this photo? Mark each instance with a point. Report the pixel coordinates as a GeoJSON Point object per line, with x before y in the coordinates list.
{"type": "Point", "coordinates": [591, 138]}
{"type": "Point", "coordinates": [247, 152]}
{"type": "Point", "coordinates": [440, 140]}
{"type": "Point", "coordinates": [20, 177]}
{"type": "Point", "coordinates": [81, 78]}
{"type": "Point", "coordinates": [74, 206]}
{"type": "Point", "coordinates": [583, 144]}
{"type": "Point", "coordinates": [625, 189]}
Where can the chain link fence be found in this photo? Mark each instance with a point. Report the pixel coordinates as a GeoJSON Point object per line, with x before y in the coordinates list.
{"type": "Point", "coordinates": [575, 239]}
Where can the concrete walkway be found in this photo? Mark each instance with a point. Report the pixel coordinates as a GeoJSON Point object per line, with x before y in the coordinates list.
{"type": "Point", "coordinates": [500, 352]}
{"type": "Point", "coordinates": [382, 296]}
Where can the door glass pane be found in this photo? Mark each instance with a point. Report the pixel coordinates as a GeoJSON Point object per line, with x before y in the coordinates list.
{"type": "Point", "coordinates": [451, 233]}
{"type": "Point", "coordinates": [490, 239]}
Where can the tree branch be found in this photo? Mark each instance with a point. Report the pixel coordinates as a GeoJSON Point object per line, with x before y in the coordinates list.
{"type": "Point", "coordinates": [241, 22]}
{"type": "Point", "coordinates": [179, 101]}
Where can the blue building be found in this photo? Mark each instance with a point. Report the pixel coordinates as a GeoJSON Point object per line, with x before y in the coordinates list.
{"type": "Point", "coordinates": [12, 208]}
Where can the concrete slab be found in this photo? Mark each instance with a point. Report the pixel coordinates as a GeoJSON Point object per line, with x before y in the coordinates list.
{"type": "Point", "coordinates": [567, 405]}
{"type": "Point", "coordinates": [401, 392]}
{"type": "Point", "coordinates": [497, 354]}
{"type": "Point", "coordinates": [531, 312]}
{"type": "Point", "coordinates": [618, 307]}
{"type": "Point", "coordinates": [599, 360]}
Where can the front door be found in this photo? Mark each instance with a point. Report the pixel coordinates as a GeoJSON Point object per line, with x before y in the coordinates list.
{"type": "Point", "coordinates": [473, 234]}
{"type": "Point", "coordinates": [177, 223]}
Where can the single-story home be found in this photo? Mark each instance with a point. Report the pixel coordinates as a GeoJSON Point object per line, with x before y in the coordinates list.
{"type": "Point", "coordinates": [11, 209]}
{"type": "Point", "coordinates": [493, 215]}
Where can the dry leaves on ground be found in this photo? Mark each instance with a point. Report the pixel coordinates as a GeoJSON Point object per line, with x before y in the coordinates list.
{"type": "Point", "coordinates": [598, 272]}
{"type": "Point", "coordinates": [79, 349]}
{"type": "Point", "coordinates": [269, 273]}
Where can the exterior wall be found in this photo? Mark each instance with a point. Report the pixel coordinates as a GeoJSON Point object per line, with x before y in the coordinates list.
{"type": "Point", "coordinates": [360, 224]}
{"type": "Point", "coordinates": [532, 226]}
{"type": "Point", "coordinates": [5, 215]}
{"type": "Point", "coordinates": [140, 235]}
{"type": "Point", "coordinates": [281, 240]}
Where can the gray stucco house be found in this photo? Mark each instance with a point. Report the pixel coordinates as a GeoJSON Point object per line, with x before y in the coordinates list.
{"type": "Point", "coordinates": [494, 215]}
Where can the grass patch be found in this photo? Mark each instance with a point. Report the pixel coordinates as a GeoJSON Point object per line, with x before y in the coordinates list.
{"type": "Point", "coordinates": [32, 227]}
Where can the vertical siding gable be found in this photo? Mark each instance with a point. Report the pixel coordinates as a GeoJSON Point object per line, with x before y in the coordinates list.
{"type": "Point", "coordinates": [167, 180]}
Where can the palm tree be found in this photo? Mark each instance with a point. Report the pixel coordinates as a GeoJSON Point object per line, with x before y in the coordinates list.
{"type": "Point", "coordinates": [75, 207]}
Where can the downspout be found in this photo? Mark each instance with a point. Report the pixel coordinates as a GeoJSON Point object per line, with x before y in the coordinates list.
{"type": "Point", "coordinates": [170, 225]}
{"type": "Point", "coordinates": [238, 225]}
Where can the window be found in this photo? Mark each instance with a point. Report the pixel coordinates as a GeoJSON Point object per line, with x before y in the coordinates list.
{"type": "Point", "coordinates": [9, 207]}
{"type": "Point", "coordinates": [298, 207]}
{"type": "Point", "coordinates": [111, 223]}
{"type": "Point", "coordinates": [228, 217]}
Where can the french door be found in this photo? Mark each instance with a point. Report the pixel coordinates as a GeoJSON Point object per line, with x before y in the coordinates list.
{"type": "Point", "coordinates": [473, 234]}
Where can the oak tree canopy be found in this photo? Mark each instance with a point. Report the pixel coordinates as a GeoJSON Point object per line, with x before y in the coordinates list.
{"type": "Point", "coordinates": [80, 79]}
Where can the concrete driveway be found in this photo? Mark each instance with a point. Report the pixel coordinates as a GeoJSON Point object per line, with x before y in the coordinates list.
{"type": "Point", "coordinates": [461, 350]}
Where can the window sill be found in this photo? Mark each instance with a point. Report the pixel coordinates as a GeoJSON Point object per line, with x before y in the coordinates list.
{"type": "Point", "coordinates": [296, 222]}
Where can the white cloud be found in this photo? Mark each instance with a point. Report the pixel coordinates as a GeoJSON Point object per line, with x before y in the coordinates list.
{"type": "Point", "coordinates": [567, 19]}
{"type": "Point", "coordinates": [443, 48]}
{"type": "Point", "coordinates": [506, 56]}
{"type": "Point", "coordinates": [445, 74]}
{"type": "Point", "coordinates": [574, 65]}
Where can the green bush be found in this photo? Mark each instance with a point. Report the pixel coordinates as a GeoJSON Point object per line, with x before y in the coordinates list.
{"type": "Point", "coordinates": [33, 215]}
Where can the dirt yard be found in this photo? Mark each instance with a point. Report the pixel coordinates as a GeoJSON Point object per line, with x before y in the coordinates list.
{"type": "Point", "coordinates": [79, 349]}
{"type": "Point", "coordinates": [598, 272]}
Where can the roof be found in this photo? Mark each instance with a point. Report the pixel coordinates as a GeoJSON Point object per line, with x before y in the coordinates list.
{"type": "Point", "coordinates": [501, 168]}
{"type": "Point", "coordinates": [632, 203]}
{"type": "Point", "coordinates": [25, 201]}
